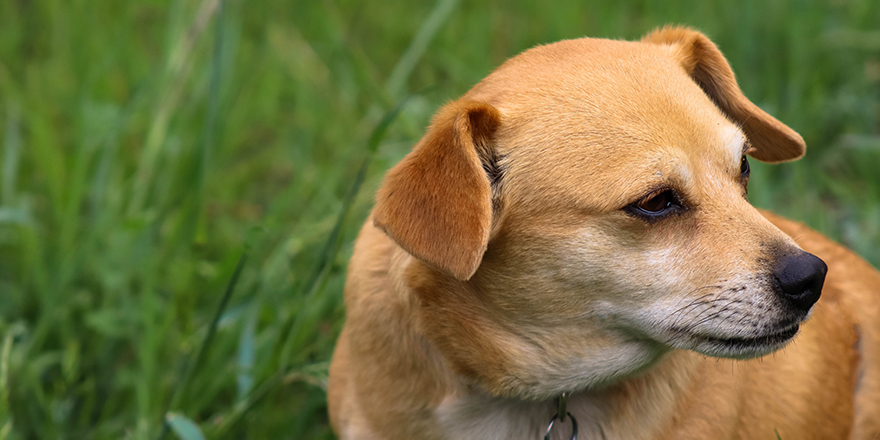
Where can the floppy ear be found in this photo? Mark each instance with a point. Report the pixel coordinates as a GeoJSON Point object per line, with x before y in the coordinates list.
{"type": "Point", "coordinates": [437, 202]}
{"type": "Point", "coordinates": [773, 141]}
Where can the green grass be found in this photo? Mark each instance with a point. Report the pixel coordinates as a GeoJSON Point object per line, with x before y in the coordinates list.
{"type": "Point", "coordinates": [145, 147]}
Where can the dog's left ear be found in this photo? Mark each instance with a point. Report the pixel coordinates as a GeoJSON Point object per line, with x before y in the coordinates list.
{"type": "Point", "coordinates": [437, 202]}
{"type": "Point", "coordinates": [772, 140]}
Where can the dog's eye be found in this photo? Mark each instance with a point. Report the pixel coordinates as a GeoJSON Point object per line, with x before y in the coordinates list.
{"type": "Point", "coordinates": [655, 206]}
{"type": "Point", "coordinates": [658, 203]}
{"type": "Point", "coordinates": [744, 169]}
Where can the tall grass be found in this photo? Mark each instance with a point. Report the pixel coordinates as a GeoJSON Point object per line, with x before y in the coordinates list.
{"type": "Point", "coordinates": [145, 146]}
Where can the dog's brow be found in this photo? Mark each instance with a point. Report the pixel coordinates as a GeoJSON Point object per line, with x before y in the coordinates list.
{"type": "Point", "coordinates": [737, 142]}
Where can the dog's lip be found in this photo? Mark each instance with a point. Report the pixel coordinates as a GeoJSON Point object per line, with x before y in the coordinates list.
{"type": "Point", "coordinates": [766, 340]}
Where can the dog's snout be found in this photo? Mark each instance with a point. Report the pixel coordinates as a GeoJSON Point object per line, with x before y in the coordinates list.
{"type": "Point", "coordinates": [801, 277]}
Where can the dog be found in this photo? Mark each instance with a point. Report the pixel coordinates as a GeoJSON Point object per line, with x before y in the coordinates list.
{"type": "Point", "coordinates": [576, 230]}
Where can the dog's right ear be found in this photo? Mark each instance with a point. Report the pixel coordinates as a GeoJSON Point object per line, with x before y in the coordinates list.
{"type": "Point", "coordinates": [437, 202]}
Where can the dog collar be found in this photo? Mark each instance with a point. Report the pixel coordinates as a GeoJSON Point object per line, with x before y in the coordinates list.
{"type": "Point", "coordinates": [561, 413]}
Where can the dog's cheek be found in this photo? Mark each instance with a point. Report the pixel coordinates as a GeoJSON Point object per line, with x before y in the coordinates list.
{"type": "Point", "coordinates": [632, 265]}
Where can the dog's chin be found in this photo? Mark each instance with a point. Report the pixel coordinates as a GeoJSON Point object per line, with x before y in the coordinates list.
{"type": "Point", "coordinates": [744, 347]}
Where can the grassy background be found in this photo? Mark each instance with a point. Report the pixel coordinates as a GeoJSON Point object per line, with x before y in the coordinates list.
{"type": "Point", "coordinates": [146, 146]}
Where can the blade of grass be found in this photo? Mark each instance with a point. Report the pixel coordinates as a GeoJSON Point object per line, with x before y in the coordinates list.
{"type": "Point", "coordinates": [110, 149]}
{"type": "Point", "coordinates": [206, 343]}
{"type": "Point", "coordinates": [5, 416]}
{"type": "Point", "coordinates": [176, 72]}
{"type": "Point", "coordinates": [11, 148]}
{"type": "Point", "coordinates": [240, 409]}
{"type": "Point", "coordinates": [246, 349]}
{"type": "Point", "coordinates": [404, 68]}
{"type": "Point", "coordinates": [316, 374]}
{"type": "Point", "coordinates": [211, 121]}
{"type": "Point", "coordinates": [185, 428]}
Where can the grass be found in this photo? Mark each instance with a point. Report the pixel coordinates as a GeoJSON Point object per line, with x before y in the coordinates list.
{"type": "Point", "coordinates": [146, 146]}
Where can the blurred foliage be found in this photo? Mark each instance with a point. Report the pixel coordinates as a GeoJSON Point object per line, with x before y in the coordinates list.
{"type": "Point", "coordinates": [145, 146]}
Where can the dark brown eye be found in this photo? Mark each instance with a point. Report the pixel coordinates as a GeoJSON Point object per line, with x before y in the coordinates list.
{"type": "Point", "coordinates": [656, 206]}
{"type": "Point", "coordinates": [744, 168]}
{"type": "Point", "coordinates": [658, 203]}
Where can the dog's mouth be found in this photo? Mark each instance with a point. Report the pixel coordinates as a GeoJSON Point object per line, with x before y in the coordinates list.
{"type": "Point", "coordinates": [758, 341]}
{"type": "Point", "coordinates": [745, 347]}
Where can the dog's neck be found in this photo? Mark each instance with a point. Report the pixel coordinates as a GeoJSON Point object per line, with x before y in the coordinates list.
{"type": "Point", "coordinates": [470, 326]}
{"type": "Point", "coordinates": [633, 407]}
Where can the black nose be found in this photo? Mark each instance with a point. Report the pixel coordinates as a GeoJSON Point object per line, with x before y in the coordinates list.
{"type": "Point", "coordinates": [801, 277]}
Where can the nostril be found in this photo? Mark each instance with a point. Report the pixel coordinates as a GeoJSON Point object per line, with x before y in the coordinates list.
{"type": "Point", "coordinates": [801, 277]}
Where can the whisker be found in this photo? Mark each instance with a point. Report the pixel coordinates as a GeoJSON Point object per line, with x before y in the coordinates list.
{"type": "Point", "coordinates": [693, 303]}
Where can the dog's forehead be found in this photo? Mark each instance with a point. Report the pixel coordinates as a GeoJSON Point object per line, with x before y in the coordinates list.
{"type": "Point", "coordinates": [589, 107]}
{"type": "Point", "coordinates": [586, 86]}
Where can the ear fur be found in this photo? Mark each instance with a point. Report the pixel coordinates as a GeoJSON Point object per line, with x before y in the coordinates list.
{"type": "Point", "coordinates": [773, 141]}
{"type": "Point", "coordinates": [437, 202]}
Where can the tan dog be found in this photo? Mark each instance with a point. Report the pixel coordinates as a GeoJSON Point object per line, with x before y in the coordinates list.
{"type": "Point", "coordinates": [578, 223]}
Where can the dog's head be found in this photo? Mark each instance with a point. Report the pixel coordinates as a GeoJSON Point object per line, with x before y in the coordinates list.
{"type": "Point", "coordinates": [584, 209]}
